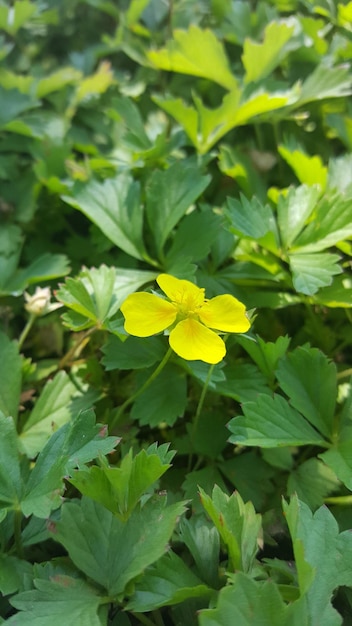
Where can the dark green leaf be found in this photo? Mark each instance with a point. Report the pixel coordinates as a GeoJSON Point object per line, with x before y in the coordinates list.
{"type": "Point", "coordinates": [312, 482]}
{"type": "Point", "coordinates": [10, 377]}
{"type": "Point", "coordinates": [164, 400]}
{"type": "Point", "coordinates": [133, 353]}
{"type": "Point", "coordinates": [10, 475]}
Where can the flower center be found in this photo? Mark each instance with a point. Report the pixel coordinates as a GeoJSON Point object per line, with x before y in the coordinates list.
{"type": "Point", "coordinates": [188, 304]}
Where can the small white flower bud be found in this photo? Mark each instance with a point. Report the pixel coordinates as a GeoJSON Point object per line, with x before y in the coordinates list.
{"type": "Point", "coordinates": [39, 303]}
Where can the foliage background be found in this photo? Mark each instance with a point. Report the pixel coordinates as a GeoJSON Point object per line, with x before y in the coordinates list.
{"type": "Point", "coordinates": [211, 141]}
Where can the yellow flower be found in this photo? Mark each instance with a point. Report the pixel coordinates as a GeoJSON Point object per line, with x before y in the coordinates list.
{"type": "Point", "coordinates": [189, 316]}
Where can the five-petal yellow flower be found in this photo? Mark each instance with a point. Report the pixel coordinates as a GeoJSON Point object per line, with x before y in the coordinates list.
{"type": "Point", "coordinates": [191, 318]}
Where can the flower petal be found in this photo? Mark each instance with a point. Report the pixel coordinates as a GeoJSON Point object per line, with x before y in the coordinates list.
{"type": "Point", "coordinates": [225, 313]}
{"type": "Point", "coordinates": [193, 341]}
{"type": "Point", "coordinates": [146, 314]}
{"type": "Point", "coordinates": [183, 292]}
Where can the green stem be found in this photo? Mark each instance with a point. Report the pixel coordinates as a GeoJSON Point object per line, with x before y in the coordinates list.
{"type": "Point", "coordinates": [143, 619]}
{"type": "Point", "coordinates": [145, 385]}
{"type": "Point", "coordinates": [345, 373]}
{"type": "Point", "coordinates": [18, 534]}
{"type": "Point", "coordinates": [72, 351]}
{"type": "Point", "coordinates": [26, 330]}
{"type": "Point", "coordinates": [199, 410]}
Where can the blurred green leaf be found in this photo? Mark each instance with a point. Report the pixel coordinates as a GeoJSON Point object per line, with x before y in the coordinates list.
{"type": "Point", "coordinates": [12, 572]}
{"type": "Point", "coordinates": [259, 59]}
{"type": "Point", "coordinates": [10, 474]}
{"type": "Point", "coordinates": [312, 271]}
{"type": "Point", "coordinates": [203, 541]}
{"type": "Point", "coordinates": [308, 169]}
{"type": "Point", "coordinates": [294, 209]}
{"type": "Point", "coordinates": [13, 17]}
{"type": "Point", "coordinates": [250, 218]}
{"type": "Point", "coordinates": [185, 53]}
{"type": "Point", "coordinates": [10, 377]}
{"type": "Point", "coordinates": [312, 481]}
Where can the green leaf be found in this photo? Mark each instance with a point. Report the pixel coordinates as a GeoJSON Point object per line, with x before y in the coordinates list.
{"type": "Point", "coordinates": [193, 238]}
{"type": "Point", "coordinates": [75, 443]}
{"type": "Point", "coordinates": [12, 18]}
{"type": "Point", "coordinates": [119, 489]}
{"type": "Point", "coordinates": [326, 82]}
{"type": "Point", "coordinates": [312, 271]}
{"type": "Point", "coordinates": [338, 294]}
{"type": "Point", "coordinates": [164, 400]}
{"type": "Point", "coordinates": [12, 573]}
{"type": "Point", "coordinates": [169, 194]}
{"type": "Point", "coordinates": [166, 583]}
{"type": "Point", "coordinates": [339, 459]}
{"type": "Point", "coordinates": [112, 552]}
{"type": "Point", "coordinates": [271, 422]}
{"type": "Point", "coordinates": [294, 210]}
{"type": "Point", "coordinates": [266, 354]}
{"type": "Point", "coordinates": [114, 207]}
{"type": "Point", "coordinates": [312, 481]}
{"type": "Point", "coordinates": [51, 411]}
{"type": "Point", "coordinates": [203, 541]}
{"type": "Point", "coordinates": [242, 472]}
{"type": "Point", "coordinates": [237, 524]}
{"type": "Point", "coordinates": [44, 268]}
{"type": "Point", "coordinates": [308, 169]}
{"type": "Point", "coordinates": [185, 54]}
{"type": "Point", "coordinates": [10, 474]}
{"type": "Point", "coordinates": [57, 81]}
{"type": "Point", "coordinates": [300, 374]}
{"type": "Point", "coordinates": [250, 218]}
{"type": "Point", "coordinates": [63, 599]}
{"type": "Point", "coordinates": [332, 224]}
{"type": "Point", "coordinates": [259, 59]}
{"type": "Point", "coordinates": [96, 294]}
{"type": "Point", "coordinates": [10, 377]}
{"type": "Point", "coordinates": [13, 103]}
{"type": "Point", "coordinates": [316, 542]}
{"type": "Point", "coordinates": [247, 602]}
{"type": "Point", "coordinates": [133, 353]}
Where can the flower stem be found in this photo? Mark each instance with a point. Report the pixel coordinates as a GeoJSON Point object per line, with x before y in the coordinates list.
{"type": "Point", "coordinates": [145, 385]}
{"type": "Point", "coordinates": [199, 410]}
{"type": "Point", "coordinates": [26, 330]}
{"type": "Point", "coordinates": [18, 533]}
{"type": "Point", "coordinates": [72, 351]}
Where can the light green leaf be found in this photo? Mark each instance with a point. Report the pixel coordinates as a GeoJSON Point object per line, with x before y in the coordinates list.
{"type": "Point", "coordinates": [112, 552]}
{"type": "Point", "coordinates": [114, 207]}
{"type": "Point", "coordinates": [248, 602]}
{"type": "Point", "coordinates": [237, 524]}
{"type": "Point", "coordinates": [316, 542]}
{"type": "Point", "coordinates": [271, 422]}
{"type": "Point", "coordinates": [164, 400]}
{"type": "Point", "coordinates": [294, 209]}
{"type": "Point", "coordinates": [51, 411]}
{"type": "Point", "coordinates": [119, 489]}
{"type": "Point", "coordinates": [332, 224]}
{"type": "Point", "coordinates": [63, 599]}
{"type": "Point", "coordinates": [312, 271]}
{"type": "Point", "coordinates": [166, 583]}
{"type": "Point", "coordinates": [308, 169]}
{"type": "Point", "coordinates": [250, 218]}
{"type": "Point", "coordinates": [259, 59]}
{"type": "Point", "coordinates": [16, 15]}
{"type": "Point", "coordinates": [10, 377]}
{"type": "Point", "coordinates": [57, 81]}
{"type": "Point", "coordinates": [338, 294]}
{"type": "Point", "coordinates": [75, 443]}
{"type": "Point", "coordinates": [312, 482]}
{"type": "Point", "coordinates": [326, 82]}
{"type": "Point", "coordinates": [185, 54]}
{"type": "Point", "coordinates": [95, 84]}
{"type": "Point", "coordinates": [169, 194]}
{"type": "Point", "coordinates": [300, 374]}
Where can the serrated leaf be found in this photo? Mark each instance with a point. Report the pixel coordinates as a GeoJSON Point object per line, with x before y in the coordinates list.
{"type": "Point", "coordinates": [247, 602]}
{"type": "Point", "coordinates": [10, 475]}
{"type": "Point", "coordinates": [10, 377]}
{"type": "Point", "coordinates": [332, 224]}
{"type": "Point", "coordinates": [316, 541]}
{"type": "Point", "coordinates": [237, 524]}
{"type": "Point", "coordinates": [75, 443]}
{"type": "Point", "coordinates": [259, 59]}
{"type": "Point", "coordinates": [51, 411]}
{"type": "Point", "coordinates": [112, 552]}
{"type": "Point", "coordinates": [169, 194]}
{"type": "Point", "coordinates": [114, 207]}
{"type": "Point", "coordinates": [203, 541]}
{"type": "Point", "coordinates": [185, 54]}
{"type": "Point", "coordinates": [193, 238]}
{"type": "Point", "coordinates": [326, 82]}
{"type": "Point", "coordinates": [266, 354]}
{"type": "Point", "coordinates": [119, 489]}
{"type": "Point", "coordinates": [312, 481]}
{"type": "Point", "coordinates": [311, 271]}
{"type": "Point", "coordinates": [62, 599]}
{"type": "Point", "coordinates": [242, 472]}
{"type": "Point", "coordinates": [271, 422]}
{"type": "Point", "coordinates": [250, 218]}
{"type": "Point", "coordinates": [339, 459]}
{"type": "Point", "coordinates": [166, 583]}
{"type": "Point", "coordinates": [134, 353]}
{"type": "Point", "coordinates": [308, 169]}
{"type": "Point", "coordinates": [164, 400]}
{"type": "Point", "coordinates": [300, 373]}
{"type": "Point", "coordinates": [294, 209]}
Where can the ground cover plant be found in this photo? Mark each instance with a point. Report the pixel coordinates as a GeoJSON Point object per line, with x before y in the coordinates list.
{"type": "Point", "coordinates": [175, 313]}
